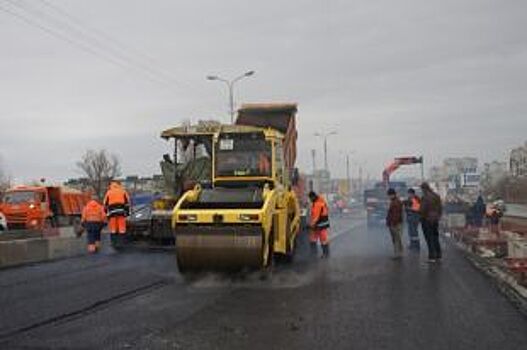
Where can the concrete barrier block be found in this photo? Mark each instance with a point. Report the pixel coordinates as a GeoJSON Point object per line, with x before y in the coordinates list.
{"type": "Point", "coordinates": [37, 249]}
{"type": "Point", "coordinates": [517, 248]}
{"type": "Point", "coordinates": [67, 231]}
{"type": "Point", "coordinates": [4, 247]}
{"type": "Point", "coordinates": [63, 247]}
{"type": "Point", "coordinates": [456, 220]}
{"type": "Point", "coordinates": [14, 252]}
{"type": "Point", "coordinates": [57, 247]}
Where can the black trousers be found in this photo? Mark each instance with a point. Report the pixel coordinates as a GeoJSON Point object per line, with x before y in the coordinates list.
{"type": "Point", "coordinates": [431, 233]}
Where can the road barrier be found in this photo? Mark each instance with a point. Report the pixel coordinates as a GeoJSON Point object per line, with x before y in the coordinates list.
{"type": "Point", "coordinates": [37, 249]}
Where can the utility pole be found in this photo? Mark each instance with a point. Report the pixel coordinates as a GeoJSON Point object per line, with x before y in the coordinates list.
{"type": "Point", "coordinates": [360, 182]}
{"type": "Point", "coordinates": [348, 177]}
{"type": "Point", "coordinates": [230, 86]}
{"type": "Point", "coordinates": [325, 138]}
{"type": "Point", "coordinates": [314, 181]}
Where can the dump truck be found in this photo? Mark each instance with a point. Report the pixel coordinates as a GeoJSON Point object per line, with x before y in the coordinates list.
{"type": "Point", "coordinates": [41, 207]}
{"type": "Point", "coordinates": [247, 214]}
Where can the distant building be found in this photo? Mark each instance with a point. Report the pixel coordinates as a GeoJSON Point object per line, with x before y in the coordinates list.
{"type": "Point", "coordinates": [493, 172]}
{"type": "Point", "coordinates": [518, 161]}
{"type": "Point", "coordinates": [458, 175]}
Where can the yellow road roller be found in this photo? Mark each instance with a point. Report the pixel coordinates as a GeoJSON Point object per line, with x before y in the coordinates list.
{"type": "Point", "coordinates": [247, 215]}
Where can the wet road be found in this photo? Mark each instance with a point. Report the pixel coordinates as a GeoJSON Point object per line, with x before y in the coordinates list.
{"type": "Point", "coordinates": [359, 299]}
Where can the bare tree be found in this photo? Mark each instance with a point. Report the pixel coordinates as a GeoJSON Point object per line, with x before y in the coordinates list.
{"type": "Point", "coordinates": [99, 167]}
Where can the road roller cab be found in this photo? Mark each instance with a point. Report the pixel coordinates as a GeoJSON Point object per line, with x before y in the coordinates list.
{"type": "Point", "coordinates": [248, 213]}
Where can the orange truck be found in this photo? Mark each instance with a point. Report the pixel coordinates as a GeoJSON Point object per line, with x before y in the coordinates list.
{"type": "Point", "coordinates": [40, 207]}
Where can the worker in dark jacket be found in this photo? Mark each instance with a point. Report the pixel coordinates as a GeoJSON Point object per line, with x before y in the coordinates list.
{"type": "Point", "coordinates": [394, 221]}
{"type": "Point", "coordinates": [431, 211]}
{"type": "Point", "coordinates": [479, 211]}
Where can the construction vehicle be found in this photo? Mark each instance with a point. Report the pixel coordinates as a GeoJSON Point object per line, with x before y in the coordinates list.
{"type": "Point", "coordinates": [150, 223]}
{"type": "Point", "coordinates": [42, 207]}
{"type": "Point", "coordinates": [247, 214]}
{"type": "Point", "coordinates": [396, 163]}
{"type": "Point", "coordinates": [376, 201]}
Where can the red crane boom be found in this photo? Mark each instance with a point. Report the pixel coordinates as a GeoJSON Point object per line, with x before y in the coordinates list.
{"type": "Point", "coordinates": [396, 163]}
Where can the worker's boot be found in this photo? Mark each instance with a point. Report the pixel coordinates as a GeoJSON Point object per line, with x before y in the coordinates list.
{"type": "Point", "coordinates": [325, 251]}
{"type": "Point", "coordinates": [313, 249]}
{"type": "Point", "coordinates": [115, 240]}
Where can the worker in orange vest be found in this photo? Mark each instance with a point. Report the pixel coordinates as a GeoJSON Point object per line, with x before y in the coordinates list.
{"type": "Point", "coordinates": [93, 220]}
{"type": "Point", "coordinates": [264, 165]}
{"type": "Point", "coordinates": [117, 205]}
{"type": "Point", "coordinates": [413, 217]}
{"type": "Point", "coordinates": [319, 226]}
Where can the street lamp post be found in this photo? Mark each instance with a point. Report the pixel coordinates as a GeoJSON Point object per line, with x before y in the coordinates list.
{"type": "Point", "coordinates": [325, 137]}
{"type": "Point", "coordinates": [348, 171]}
{"type": "Point", "coordinates": [326, 181]}
{"type": "Point", "coordinates": [230, 86]}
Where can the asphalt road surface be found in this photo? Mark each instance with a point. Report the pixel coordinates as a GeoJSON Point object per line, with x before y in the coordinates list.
{"type": "Point", "coordinates": [358, 299]}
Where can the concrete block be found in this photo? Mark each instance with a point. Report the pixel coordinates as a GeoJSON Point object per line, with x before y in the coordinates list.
{"type": "Point", "coordinates": [67, 231]}
{"type": "Point", "coordinates": [456, 220]}
{"type": "Point", "coordinates": [4, 252]}
{"type": "Point", "coordinates": [13, 253]}
{"type": "Point", "coordinates": [63, 247]}
{"type": "Point", "coordinates": [517, 248]}
{"type": "Point", "coordinates": [37, 249]}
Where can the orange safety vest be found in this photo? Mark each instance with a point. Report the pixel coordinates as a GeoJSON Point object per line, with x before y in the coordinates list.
{"type": "Point", "coordinates": [415, 204]}
{"type": "Point", "coordinates": [93, 212]}
{"type": "Point", "coordinates": [264, 166]}
{"type": "Point", "coordinates": [115, 196]}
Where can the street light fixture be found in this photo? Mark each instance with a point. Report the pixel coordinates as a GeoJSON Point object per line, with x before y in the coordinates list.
{"type": "Point", "coordinates": [230, 85]}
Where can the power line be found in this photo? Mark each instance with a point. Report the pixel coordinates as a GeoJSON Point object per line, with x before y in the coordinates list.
{"type": "Point", "coordinates": [102, 37]}
{"type": "Point", "coordinates": [57, 29]}
{"type": "Point", "coordinates": [99, 34]}
{"type": "Point", "coordinates": [58, 35]}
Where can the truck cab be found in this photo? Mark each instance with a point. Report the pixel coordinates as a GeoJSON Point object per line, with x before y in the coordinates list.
{"type": "Point", "coordinates": [40, 207]}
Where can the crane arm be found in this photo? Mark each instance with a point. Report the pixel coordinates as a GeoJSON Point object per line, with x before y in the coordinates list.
{"type": "Point", "coordinates": [396, 163]}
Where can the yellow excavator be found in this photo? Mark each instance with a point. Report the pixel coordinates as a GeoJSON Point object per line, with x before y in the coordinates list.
{"type": "Point", "coordinates": [247, 215]}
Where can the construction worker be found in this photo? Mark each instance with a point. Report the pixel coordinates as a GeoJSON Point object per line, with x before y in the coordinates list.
{"type": "Point", "coordinates": [413, 217]}
{"type": "Point", "coordinates": [93, 220]}
{"type": "Point", "coordinates": [264, 165]}
{"type": "Point", "coordinates": [431, 212]}
{"type": "Point", "coordinates": [319, 226]}
{"type": "Point", "coordinates": [394, 221]}
{"type": "Point", "coordinates": [117, 205]}
{"type": "Point", "coordinates": [479, 210]}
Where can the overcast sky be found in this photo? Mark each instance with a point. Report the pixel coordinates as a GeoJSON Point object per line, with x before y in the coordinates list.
{"type": "Point", "coordinates": [438, 78]}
